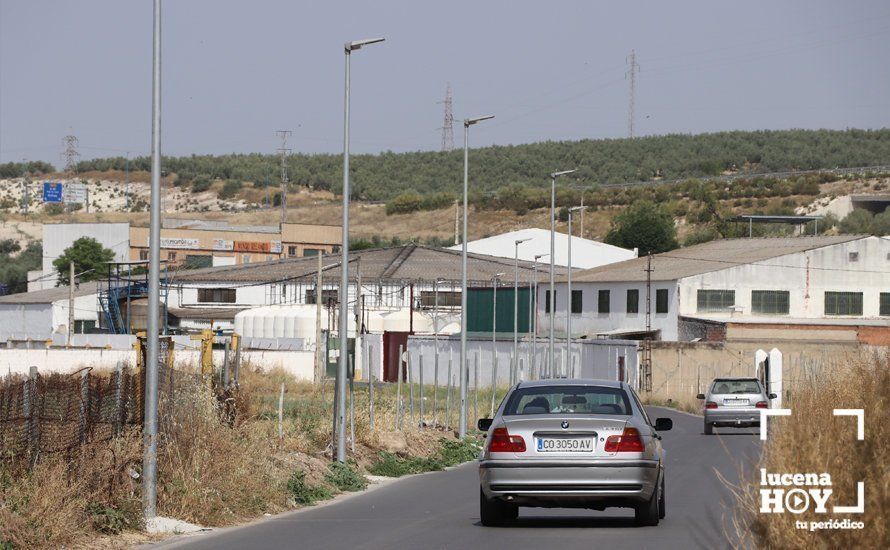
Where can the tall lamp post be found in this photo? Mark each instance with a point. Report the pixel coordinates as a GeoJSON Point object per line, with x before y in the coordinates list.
{"type": "Point", "coordinates": [494, 318]}
{"type": "Point", "coordinates": [569, 292]}
{"type": "Point", "coordinates": [553, 176]}
{"type": "Point", "coordinates": [514, 368]}
{"type": "Point", "coordinates": [462, 428]}
{"type": "Point", "coordinates": [342, 367]}
{"type": "Point", "coordinates": [532, 315]}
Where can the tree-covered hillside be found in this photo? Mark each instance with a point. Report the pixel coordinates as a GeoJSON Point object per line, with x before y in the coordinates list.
{"type": "Point", "coordinates": [386, 175]}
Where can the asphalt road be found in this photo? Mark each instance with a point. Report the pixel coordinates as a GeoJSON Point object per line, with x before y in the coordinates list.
{"type": "Point", "coordinates": [441, 509]}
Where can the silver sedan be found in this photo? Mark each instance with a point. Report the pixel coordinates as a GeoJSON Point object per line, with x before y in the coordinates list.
{"type": "Point", "coordinates": [572, 444]}
{"type": "Point", "coordinates": [734, 403]}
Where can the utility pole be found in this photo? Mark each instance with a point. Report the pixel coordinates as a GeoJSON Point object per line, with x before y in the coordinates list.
{"type": "Point", "coordinates": [70, 156]}
{"type": "Point", "coordinates": [633, 69]}
{"type": "Point", "coordinates": [646, 382]}
{"type": "Point", "coordinates": [319, 352]}
{"type": "Point", "coordinates": [448, 125]}
{"type": "Point", "coordinates": [70, 301]}
{"type": "Point", "coordinates": [283, 151]}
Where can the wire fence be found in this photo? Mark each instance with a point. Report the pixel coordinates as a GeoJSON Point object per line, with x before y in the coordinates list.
{"type": "Point", "coordinates": [59, 413]}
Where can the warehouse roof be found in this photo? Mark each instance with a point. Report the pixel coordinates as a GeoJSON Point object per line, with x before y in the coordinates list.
{"type": "Point", "coordinates": [50, 295]}
{"type": "Point", "coordinates": [707, 257]}
{"type": "Point", "coordinates": [411, 262]}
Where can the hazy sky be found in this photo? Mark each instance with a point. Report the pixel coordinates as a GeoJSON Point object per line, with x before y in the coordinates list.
{"type": "Point", "coordinates": [234, 72]}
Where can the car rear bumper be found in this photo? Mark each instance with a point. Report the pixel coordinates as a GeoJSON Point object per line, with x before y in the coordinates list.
{"type": "Point", "coordinates": [730, 417]}
{"type": "Point", "coordinates": [555, 483]}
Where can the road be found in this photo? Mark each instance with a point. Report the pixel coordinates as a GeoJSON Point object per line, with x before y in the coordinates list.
{"type": "Point", "coordinates": [441, 509]}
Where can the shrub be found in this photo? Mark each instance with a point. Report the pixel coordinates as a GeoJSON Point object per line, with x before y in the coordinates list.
{"type": "Point", "coordinates": [302, 492]}
{"type": "Point", "coordinates": [230, 189]}
{"type": "Point", "coordinates": [200, 184]}
{"type": "Point", "coordinates": [345, 478]}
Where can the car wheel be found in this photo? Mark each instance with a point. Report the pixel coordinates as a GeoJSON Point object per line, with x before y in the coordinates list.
{"type": "Point", "coordinates": [495, 512]}
{"type": "Point", "coordinates": [709, 429]}
{"type": "Point", "coordinates": [648, 513]}
{"type": "Point", "coordinates": [662, 507]}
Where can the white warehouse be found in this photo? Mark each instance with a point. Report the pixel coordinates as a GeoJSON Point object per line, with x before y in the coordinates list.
{"type": "Point", "coordinates": [698, 291]}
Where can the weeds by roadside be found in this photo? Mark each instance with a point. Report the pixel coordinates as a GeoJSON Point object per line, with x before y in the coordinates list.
{"type": "Point", "coordinates": [450, 453]}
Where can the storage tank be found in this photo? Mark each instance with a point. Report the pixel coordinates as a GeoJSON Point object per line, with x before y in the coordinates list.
{"type": "Point", "coordinates": [283, 321]}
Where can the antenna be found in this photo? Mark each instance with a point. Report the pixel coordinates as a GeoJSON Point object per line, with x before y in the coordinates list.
{"type": "Point", "coordinates": [283, 151]}
{"type": "Point", "coordinates": [631, 74]}
{"type": "Point", "coordinates": [448, 125]}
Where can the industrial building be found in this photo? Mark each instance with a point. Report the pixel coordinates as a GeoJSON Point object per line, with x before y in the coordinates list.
{"type": "Point", "coordinates": [192, 243]}
{"type": "Point", "coordinates": [586, 254]}
{"type": "Point", "coordinates": [754, 288]}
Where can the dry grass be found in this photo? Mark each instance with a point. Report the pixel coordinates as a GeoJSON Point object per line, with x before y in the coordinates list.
{"type": "Point", "coordinates": [812, 440]}
{"type": "Point", "coordinates": [208, 473]}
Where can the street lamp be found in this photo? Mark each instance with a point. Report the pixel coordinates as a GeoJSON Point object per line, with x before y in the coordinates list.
{"type": "Point", "coordinates": [462, 429]}
{"type": "Point", "coordinates": [553, 177]}
{"type": "Point", "coordinates": [342, 368]}
{"type": "Point", "coordinates": [569, 291]}
{"type": "Point", "coordinates": [514, 368]}
{"type": "Point", "coordinates": [535, 330]}
{"type": "Point", "coordinates": [439, 281]}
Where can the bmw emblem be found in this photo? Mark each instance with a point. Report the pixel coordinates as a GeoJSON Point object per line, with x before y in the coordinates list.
{"type": "Point", "coordinates": [565, 424]}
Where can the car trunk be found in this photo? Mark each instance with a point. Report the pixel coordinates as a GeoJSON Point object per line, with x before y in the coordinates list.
{"type": "Point", "coordinates": [546, 438]}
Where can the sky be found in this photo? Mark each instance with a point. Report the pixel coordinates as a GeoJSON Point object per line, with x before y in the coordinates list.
{"type": "Point", "coordinates": [235, 72]}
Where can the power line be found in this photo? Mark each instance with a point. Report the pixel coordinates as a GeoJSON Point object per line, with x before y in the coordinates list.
{"type": "Point", "coordinates": [283, 151]}
{"type": "Point", "coordinates": [70, 153]}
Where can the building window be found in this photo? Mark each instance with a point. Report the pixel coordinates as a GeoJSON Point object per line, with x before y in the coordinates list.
{"type": "Point", "coordinates": [633, 300]}
{"type": "Point", "coordinates": [885, 304]}
{"type": "Point", "coordinates": [245, 258]}
{"type": "Point", "coordinates": [171, 256]}
{"type": "Point", "coordinates": [547, 300]}
{"type": "Point", "coordinates": [843, 303]}
{"type": "Point", "coordinates": [216, 295]}
{"type": "Point", "coordinates": [661, 300]}
{"type": "Point", "coordinates": [312, 251]}
{"type": "Point", "coordinates": [577, 298]}
{"type": "Point", "coordinates": [195, 261]}
{"type": "Point", "coordinates": [602, 302]}
{"type": "Point", "coordinates": [328, 296]}
{"type": "Point", "coordinates": [447, 298]}
{"type": "Point", "coordinates": [292, 251]}
{"type": "Point", "coordinates": [84, 327]}
{"type": "Point", "coordinates": [770, 302]}
{"type": "Point", "coordinates": [143, 255]}
{"type": "Point", "coordinates": [854, 256]}
{"type": "Point", "coordinates": [715, 300]}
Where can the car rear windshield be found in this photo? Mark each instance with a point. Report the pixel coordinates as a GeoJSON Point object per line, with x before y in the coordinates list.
{"type": "Point", "coordinates": [562, 400]}
{"type": "Point", "coordinates": [735, 386]}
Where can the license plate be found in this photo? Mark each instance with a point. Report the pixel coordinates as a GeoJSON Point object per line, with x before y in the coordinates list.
{"type": "Point", "coordinates": [735, 401]}
{"type": "Point", "coordinates": [565, 445]}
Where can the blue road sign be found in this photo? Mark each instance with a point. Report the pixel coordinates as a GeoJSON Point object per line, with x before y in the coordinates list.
{"type": "Point", "coordinates": [52, 191]}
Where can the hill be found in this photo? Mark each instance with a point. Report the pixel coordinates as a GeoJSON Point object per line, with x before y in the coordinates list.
{"type": "Point", "coordinates": [387, 175]}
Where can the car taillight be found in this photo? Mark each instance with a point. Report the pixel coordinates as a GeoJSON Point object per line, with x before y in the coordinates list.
{"type": "Point", "coordinates": [628, 442]}
{"type": "Point", "coordinates": [503, 442]}
{"type": "Point", "coordinates": [710, 405]}
{"type": "Point", "coordinates": [762, 405]}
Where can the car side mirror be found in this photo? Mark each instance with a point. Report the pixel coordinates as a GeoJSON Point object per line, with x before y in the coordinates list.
{"type": "Point", "coordinates": [700, 396]}
{"type": "Point", "coordinates": [484, 424]}
{"type": "Point", "coordinates": [773, 396]}
{"type": "Point", "coordinates": [663, 424]}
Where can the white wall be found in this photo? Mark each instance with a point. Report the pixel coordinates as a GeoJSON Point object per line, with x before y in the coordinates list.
{"type": "Point", "coordinates": [85, 309]}
{"type": "Point", "coordinates": [59, 236]}
{"type": "Point", "coordinates": [589, 322]}
{"type": "Point", "coordinates": [22, 321]}
{"type": "Point", "coordinates": [806, 275]}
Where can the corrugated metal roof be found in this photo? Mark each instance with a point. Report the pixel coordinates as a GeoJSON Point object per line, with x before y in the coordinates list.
{"type": "Point", "coordinates": [706, 257]}
{"type": "Point", "coordinates": [50, 295]}
{"type": "Point", "coordinates": [411, 262]}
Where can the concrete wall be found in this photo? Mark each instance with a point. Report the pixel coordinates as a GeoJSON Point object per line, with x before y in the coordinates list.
{"type": "Point", "coordinates": [683, 369]}
{"type": "Point", "coordinates": [21, 321]}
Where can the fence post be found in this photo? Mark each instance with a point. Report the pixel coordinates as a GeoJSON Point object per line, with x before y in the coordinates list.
{"type": "Point", "coordinates": [33, 415]}
{"type": "Point", "coordinates": [84, 405]}
{"type": "Point", "coordinates": [436, 387]}
{"type": "Point", "coordinates": [420, 378]}
{"type": "Point", "coordinates": [448, 394]}
{"type": "Point", "coordinates": [352, 403]}
{"type": "Point", "coordinates": [494, 384]}
{"type": "Point", "coordinates": [118, 397]}
{"type": "Point", "coordinates": [399, 391]}
{"type": "Point", "coordinates": [237, 367]}
{"type": "Point", "coordinates": [224, 371]}
{"type": "Point", "coordinates": [281, 414]}
{"type": "Point", "coordinates": [411, 388]}
{"type": "Point", "coordinates": [371, 400]}
{"type": "Point", "coordinates": [476, 387]}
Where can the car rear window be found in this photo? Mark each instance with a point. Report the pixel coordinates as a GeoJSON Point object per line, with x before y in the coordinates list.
{"type": "Point", "coordinates": [735, 386]}
{"type": "Point", "coordinates": [563, 400]}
